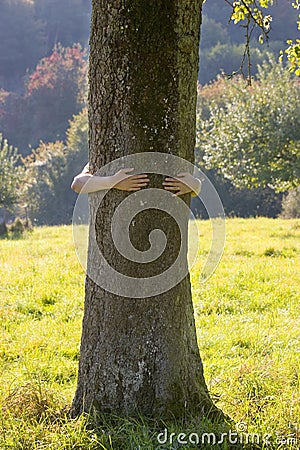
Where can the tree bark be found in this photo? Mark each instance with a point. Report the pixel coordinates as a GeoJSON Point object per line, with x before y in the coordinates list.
{"type": "Point", "coordinates": [140, 355]}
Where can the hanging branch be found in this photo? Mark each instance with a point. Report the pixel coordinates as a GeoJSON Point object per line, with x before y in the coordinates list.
{"type": "Point", "coordinates": [254, 18]}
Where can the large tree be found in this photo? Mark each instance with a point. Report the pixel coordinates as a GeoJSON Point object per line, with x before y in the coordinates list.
{"type": "Point", "coordinates": [141, 354]}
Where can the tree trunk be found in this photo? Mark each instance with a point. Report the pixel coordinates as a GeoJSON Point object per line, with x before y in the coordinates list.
{"type": "Point", "coordinates": [140, 355]}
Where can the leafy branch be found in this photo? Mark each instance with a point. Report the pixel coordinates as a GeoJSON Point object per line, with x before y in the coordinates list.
{"type": "Point", "coordinates": [251, 12]}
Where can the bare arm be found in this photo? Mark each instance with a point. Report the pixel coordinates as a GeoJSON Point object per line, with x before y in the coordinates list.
{"type": "Point", "coordinates": [85, 182]}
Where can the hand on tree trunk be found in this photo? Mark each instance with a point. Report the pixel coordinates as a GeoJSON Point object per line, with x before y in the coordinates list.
{"type": "Point", "coordinates": [184, 184]}
{"type": "Point", "coordinates": [125, 182]}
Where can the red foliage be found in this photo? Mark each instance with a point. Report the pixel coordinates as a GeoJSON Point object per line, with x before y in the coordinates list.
{"type": "Point", "coordinates": [54, 92]}
{"type": "Point", "coordinates": [56, 70]}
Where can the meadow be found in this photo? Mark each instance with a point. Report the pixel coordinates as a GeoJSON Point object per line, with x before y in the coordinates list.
{"type": "Point", "coordinates": [248, 325]}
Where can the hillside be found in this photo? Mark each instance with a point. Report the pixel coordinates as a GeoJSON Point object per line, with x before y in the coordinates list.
{"type": "Point", "coordinates": [30, 30]}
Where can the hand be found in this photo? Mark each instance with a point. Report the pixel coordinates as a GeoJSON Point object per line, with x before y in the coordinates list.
{"type": "Point", "coordinates": [184, 184]}
{"type": "Point", "coordinates": [125, 182]}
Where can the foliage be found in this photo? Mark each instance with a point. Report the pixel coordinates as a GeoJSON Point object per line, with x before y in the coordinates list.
{"type": "Point", "coordinates": [53, 93]}
{"type": "Point", "coordinates": [14, 119]}
{"type": "Point", "coordinates": [10, 175]}
{"type": "Point", "coordinates": [222, 45]}
{"type": "Point", "coordinates": [254, 21]}
{"type": "Point", "coordinates": [44, 170]}
{"type": "Point", "coordinates": [293, 55]}
{"type": "Point", "coordinates": [240, 202]}
{"type": "Point", "coordinates": [253, 137]}
{"type": "Point", "coordinates": [291, 204]}
{"type": "Point", "coordinates": [57, 90]}
{"type": "Point", "coordinates": [247, 319]}
{"type": "Point", "coordinates": [293, 50]}
{"type": "Point", "coordinates": [252, 14]}
{"type": "Point", "coordinates": [77, 136]}
{"type": "Point", "coordinates": [50, 170]}
{"type": "Point", "coordinates": [30, 29]}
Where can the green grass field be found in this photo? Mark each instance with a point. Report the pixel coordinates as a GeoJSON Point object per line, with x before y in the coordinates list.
{"type": "Point", "coordinates": [248, 324]}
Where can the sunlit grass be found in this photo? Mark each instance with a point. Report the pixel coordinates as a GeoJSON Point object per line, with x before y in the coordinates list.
{"type": "Point", "coordinates": [247, 317]}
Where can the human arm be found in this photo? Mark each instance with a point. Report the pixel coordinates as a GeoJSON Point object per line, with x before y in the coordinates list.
{"type": "Point", "coordinates": [85, 182]}
{"type": "Point", "coordinates": [184, 183]}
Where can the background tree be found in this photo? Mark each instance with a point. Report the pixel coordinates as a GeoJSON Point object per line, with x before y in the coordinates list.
{"type": "Point", "coordinates": [14, 120]}
{"type": "Point", "coordinates": [10, 175]}
{"type": "Point", "coordinates": [54, 92]}
{"type": "Point", "coordinates": [77, 134]}
{"type": "Point", "coordinates": [43, 186]}
{"type": "Point", "coordinates": [291, 204]}
{"type": "Point", "coordinates": [253, 137]}
{"type": "Point", "coordinates": [67, 22]}
{"type": "Point", "coordinates": [57, 90]}
{"type": "Point", "coordinates": [240, 202]}
{"type": "Point", "coordinates": [143, 69]}
{"type": "Point", "coordinates": [50, 170]}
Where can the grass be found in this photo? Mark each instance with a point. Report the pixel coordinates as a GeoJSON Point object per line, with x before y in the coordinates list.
{"type": "Point", "coordinates": [247, 318]}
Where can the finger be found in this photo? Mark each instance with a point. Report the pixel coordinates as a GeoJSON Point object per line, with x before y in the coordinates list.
{"type": "Point", "coordinates": [139, 178]}
{"type": "Point", "coordinates": [170, 183]}
{"type": "Point", "coordinates": [130, 169]}
{"type": "Point", "coordinates": [137, 181]}
{"type": "Point", "coordinates": [170, 179]}
{"type": "Point", "coordinates": [138, 184]}
{"type": "Point", "coordinates": [133, 186]}
{"type": "Point", "coordinates": [183, 174]}
{"type": "Point", "coordinates": [133, 189]}
{"type": "Point", "coordinates": [171, 188]}
{"type": "Point", "coordinates": [140, 175]}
